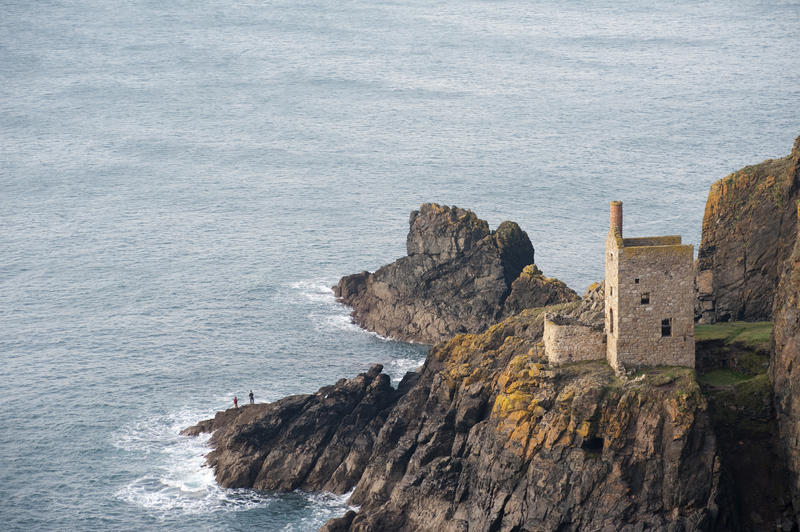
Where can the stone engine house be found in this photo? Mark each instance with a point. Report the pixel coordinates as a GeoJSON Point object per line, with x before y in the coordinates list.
{"type": "Point", "coordinates": [649, 306]}
{"type": "Point", "coordinates": [649, 299]}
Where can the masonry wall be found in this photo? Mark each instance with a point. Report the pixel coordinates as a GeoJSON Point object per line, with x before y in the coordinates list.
{"type": "Point", "coordinates": [613, 243]}
{"type": "Point", "coordinates": [572, 343]}
{"type": "Point", "coordinates": [665, 274]}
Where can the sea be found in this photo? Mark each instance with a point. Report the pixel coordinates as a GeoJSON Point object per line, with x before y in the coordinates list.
{"type": "Point", "coordinates": [181, 183]}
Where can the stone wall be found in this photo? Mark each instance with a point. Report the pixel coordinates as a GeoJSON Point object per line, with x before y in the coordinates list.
{"type": "Point", "coordinates": [572, 342]}
{"type": "Point", "coordinates": [654, 283]}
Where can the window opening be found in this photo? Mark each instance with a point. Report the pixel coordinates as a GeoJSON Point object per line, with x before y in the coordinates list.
{"type": "Point", "coordinates": [611, 320]}
{"type": "Point", "coordinates": [646, 298]}
{"type": "Point", "coordinates": [666, 327]}
{"type": "Point", "coordinates": [636, 281]}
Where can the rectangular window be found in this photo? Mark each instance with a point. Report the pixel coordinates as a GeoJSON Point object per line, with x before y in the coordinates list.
{"type": "Point", "coordinates": [612, 290]}
{"type": "Point", "coordinates": [666, 327]}
{"type": "Point", "coordinates": [646, 298]}
{"type": "Point", "coordinates": [636, 281]}
{"type": "Point", "coordinates": [611, 320]}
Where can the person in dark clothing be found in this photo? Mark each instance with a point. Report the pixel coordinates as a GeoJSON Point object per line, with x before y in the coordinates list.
{"type": "Point", "coordinates": [235, 402]}
{"type": "Point", "coordinates": [251, 397]}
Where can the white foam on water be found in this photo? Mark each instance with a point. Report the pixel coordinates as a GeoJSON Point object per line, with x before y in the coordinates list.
{"type": "Point", "coordinates": [177, 479]}
{"type": "Point", "coordinates": [325, 506]}
{"type": "Point", "coordinates": [398, 367]}
{"type": "Point", "coordinates": [312, 290]}
{"type": "Point", "coordinates": [342, 322]}
{"type": "Point", "coordinates": [337, 322]}
{"type": "Point", "coordinates": [328, 315]}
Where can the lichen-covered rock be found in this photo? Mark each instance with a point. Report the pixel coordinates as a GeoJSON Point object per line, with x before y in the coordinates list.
{"type": "Point", "coordinates": [532, 289]}
{"type": "Point", "coordinates": [505, 442]}
{"type": "Point", "coordinates": [748, 230]}
{"type": "Point", "coordinates": [456, 278]}
{"type": "Point", "coordinates": [487, 436]}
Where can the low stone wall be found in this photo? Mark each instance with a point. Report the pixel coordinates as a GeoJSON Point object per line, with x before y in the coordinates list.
{"type": "Point", "coordinates": [572, 342]}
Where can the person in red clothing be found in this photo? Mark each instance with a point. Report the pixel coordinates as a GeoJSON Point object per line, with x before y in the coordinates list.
{"type": "Point", "coordinates": [235, 402]}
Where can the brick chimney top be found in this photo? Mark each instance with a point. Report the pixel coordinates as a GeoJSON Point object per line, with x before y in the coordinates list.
{"type": "Point", "coordinates": [615, 217]}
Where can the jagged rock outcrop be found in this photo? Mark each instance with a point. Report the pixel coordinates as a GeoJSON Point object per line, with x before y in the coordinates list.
{"type": "Point", "coordinates": [532, 289]}
{"type": "Point", "coordinates": [487, 436]}
{"type": "Point", "coordinates": [748, 230]}
{"type": "Point", "coordinates": [456, 278]}
{"type": "Point", "coordinates": [785, 377]}
{"type": "Point", "coordinates": [315, 442]}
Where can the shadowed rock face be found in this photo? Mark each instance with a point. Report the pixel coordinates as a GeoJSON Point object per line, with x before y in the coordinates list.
{"type": "Point", "coordinates": [456, 278]}
{"type": "Point", "coordinates": [488, 437]}
{"type": "Point", "coordinates": [748, 232]}
{"type": "Point", "coordinates": [784, 367]}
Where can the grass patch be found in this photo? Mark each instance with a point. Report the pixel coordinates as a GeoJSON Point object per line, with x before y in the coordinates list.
{"type": "Point", "coordinates": [754, 335]}
{"type": "Point", "coordinates": [722, 377]}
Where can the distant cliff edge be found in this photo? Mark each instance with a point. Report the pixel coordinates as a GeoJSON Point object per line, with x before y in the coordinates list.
{"type": "Point", "coordinates": [748, 232]}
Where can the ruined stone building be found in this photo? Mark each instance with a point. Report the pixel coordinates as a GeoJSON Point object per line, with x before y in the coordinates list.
{"type": "Point", "coordinates": [649, 306]}
{"type": "Point", "coordinates": [649, 299]}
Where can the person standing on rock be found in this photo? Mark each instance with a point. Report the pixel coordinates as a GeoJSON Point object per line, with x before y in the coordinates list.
{"type": "Point", "coordinates": [252, 401]}
{"type": "Point", "coordinates": [235, 402]}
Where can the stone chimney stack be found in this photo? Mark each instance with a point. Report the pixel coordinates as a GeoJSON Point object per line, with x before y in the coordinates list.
{"type": "Point", "coordinates": [616, 216]}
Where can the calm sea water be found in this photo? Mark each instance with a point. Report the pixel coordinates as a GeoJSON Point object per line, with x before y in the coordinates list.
{"type": "Point", "coordinates": [182, 182]}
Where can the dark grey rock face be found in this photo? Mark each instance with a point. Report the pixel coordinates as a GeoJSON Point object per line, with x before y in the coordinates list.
{"type": "Point", "coordinates": [456, 278]}
{"type": "Point", "coordinates": [785, 377]}
{"type": "Point", "coordinates": [315, 442]}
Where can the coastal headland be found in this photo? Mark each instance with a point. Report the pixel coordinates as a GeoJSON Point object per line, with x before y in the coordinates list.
{"type": "Point", "coordinates": [488, 435]}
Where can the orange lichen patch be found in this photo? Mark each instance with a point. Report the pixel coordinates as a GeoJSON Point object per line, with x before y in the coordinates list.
{"type": "Point", "coordinates": [535, 408]}
{"type": "Point", "coordinates": [516, 405]}
{"type": "Point", "coordinates": [733, 192]}
{"type": "Point", "coordinates": [530, 270]}
{"type": "Point", "coordinates": [470, 358]}
{"type": "Point", "coordinates": [614, 422]}
{"type": "Point", "coordinates": [683, 405]}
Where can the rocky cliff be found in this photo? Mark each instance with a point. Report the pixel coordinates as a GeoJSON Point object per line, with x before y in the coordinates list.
{"type": "Point", "coordinates": [458, 276]}
{"type": "Point", "coordinates": [748, 231]}
{"type": "Point", "coordinates": [784, 376]}
{"type": "Point", "coordinates": [487, 436]}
